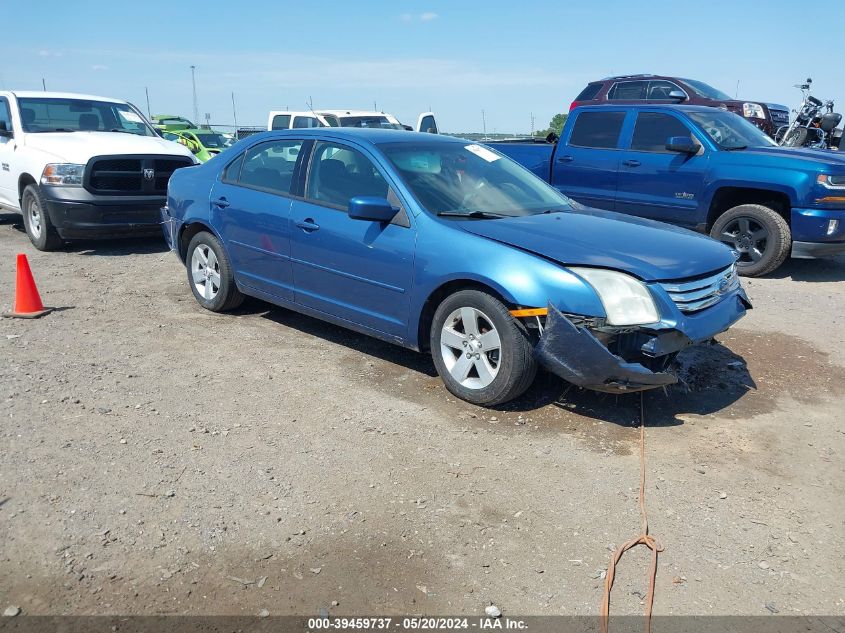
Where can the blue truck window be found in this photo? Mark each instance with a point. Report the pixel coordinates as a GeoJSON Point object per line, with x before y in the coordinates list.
{"type": "Point", "coordinates": [597, 129]}
{"type": "Point", "coordinates": [653, 129]}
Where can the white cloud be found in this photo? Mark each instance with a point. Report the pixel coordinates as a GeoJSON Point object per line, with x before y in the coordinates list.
{"type": "Point", "coordinates": [46, 53]}
{"type": "Point", "coordinates": [99, 67]}
{"type": "Point", "coordinates": [428, 16]}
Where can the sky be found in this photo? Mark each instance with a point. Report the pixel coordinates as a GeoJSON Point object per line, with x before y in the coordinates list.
{"type": "Point", "coordinates": [509, 59]}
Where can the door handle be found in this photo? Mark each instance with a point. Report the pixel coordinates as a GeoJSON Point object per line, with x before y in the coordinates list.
{"type": "Point", "coordinates": [631, 163]}
{"type": "Point", "coordinates": [221, 203]}
{"type": "Point", "coordinates": [308, 225]}
{"type": "Point", "coordinates": [565, 159]}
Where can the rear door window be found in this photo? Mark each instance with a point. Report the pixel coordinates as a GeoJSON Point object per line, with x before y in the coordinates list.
{"type": "Point", "coordinates": [628, 91]}
{"type": "Point", "coordinates": [305, 122]}
{"type": "Point", "coordinates": [653, 129]}
{"type": "Point", "coordinates": [597, 129]}
{"type": "Point", "coordinates": [281, 122]}
{"type": "Point", "coordinates": [659, 90]}
{"type": "Point", "coordinates": [589, 92]}
{"type": "Point", "coordinates": [270, 166]}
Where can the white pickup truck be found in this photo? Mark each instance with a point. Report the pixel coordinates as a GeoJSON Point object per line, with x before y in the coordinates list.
{"type": "Point", "coordinates": [285, 120]}
{"type": "Point", "coordinates": [78, 166]}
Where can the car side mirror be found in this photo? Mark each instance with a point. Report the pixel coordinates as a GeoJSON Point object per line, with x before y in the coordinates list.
{"type": "Point", "coordinates": [679, 95]}
{"type": "Point", "coordinates": [371, 208]}
{"type": "Point", "coordinates": [682, 145]}
{"type": "Point", "coordinates": [5, 132]}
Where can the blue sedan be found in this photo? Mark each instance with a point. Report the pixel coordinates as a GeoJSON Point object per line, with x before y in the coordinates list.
{"type": "Point", "coordinates": [442, 245]}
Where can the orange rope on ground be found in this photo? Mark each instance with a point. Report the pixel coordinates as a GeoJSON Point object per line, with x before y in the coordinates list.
{"type": "Point", "coordinates": [643, 539]}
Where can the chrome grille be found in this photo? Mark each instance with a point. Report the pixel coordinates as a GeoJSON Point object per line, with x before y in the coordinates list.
{"type": "Point", "coordinates": [697, 294]}
{"type": "Point", "coordinates": [779, 117]}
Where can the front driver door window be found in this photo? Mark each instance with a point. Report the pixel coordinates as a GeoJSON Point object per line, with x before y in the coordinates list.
{"type": "Point", "coordinates": [655, 182]}
{"type": "Point", "coordinates": [356, 270]}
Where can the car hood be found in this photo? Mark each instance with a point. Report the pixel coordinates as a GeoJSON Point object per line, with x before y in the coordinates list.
{"type": "Point", "coordinates": [79, 147]}
{"type": "Point", "coordinates": [820, 157]}
{"type": "Point", "coordinates": [646, 249]}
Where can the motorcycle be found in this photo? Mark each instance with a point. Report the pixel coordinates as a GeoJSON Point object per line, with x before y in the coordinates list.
{"type": "Point", "coordinates": [814, 124]}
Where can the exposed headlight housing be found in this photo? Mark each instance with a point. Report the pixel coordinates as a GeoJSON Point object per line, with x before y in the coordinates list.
{"type": "Point", "coordinates": [753, 111]}
{"type": "Point", "coordinates": [626, 300]}
{"type": "Point", "coordinates": [63, 174]}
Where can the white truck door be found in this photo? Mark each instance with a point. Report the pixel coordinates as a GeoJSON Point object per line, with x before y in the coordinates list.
{"type": "Point", "coordinates": [8, 182]}
{"type": "Point", "coordinates": [427, 123]}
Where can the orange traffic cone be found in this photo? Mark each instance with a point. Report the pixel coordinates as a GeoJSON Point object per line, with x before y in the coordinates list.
{"type": "Point", "coordinates": [27, 300]}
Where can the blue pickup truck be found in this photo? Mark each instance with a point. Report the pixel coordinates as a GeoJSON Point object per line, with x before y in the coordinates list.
{"type": "Point", "coordinates": [702, 168]}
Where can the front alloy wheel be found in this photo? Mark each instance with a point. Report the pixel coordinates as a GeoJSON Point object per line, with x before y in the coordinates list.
{"type": "Point", "coordinates": [759, 235]}
{"type": "Point", "coordinates": [483, 354]}
{"type": "Point", "coordinates": [470, 346]}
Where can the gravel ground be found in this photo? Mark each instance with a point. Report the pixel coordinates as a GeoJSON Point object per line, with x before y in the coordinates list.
{"type": "Point", "coordinates": [160, 459]}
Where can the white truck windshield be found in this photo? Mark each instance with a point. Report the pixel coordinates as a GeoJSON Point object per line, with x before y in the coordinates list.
{"type": "Point", "coordinates": [48, 114]}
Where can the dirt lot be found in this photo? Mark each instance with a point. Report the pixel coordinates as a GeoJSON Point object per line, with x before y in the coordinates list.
{"type": "Point", "coordinates": [157, 458]}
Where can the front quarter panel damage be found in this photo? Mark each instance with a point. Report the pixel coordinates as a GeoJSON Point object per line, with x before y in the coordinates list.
{"type": "Point", "coordinates": [576, 355]}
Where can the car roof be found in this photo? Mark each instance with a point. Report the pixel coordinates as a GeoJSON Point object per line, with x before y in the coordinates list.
{"type": "Point", "coordinates": [682, 107]}
{"type": "Point", "coordinates": [27, 94]}
{"type": "Point", "coordinates": [351, 112]}
{"type": "Point", "coordinates": [375, 136]}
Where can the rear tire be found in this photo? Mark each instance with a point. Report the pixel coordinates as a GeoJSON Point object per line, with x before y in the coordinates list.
{"type": "Point", "coordinates": [36, 220]}
{"type": "Point", "coordinates": [482, 353]}
{"type": "Point", "coordinates": [210, 274]}
{"type": "Point", "coordinates": [759, 234]}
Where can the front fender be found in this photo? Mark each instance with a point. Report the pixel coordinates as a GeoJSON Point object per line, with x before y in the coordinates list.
{"type": "Point", "coordinates": [446, 254]}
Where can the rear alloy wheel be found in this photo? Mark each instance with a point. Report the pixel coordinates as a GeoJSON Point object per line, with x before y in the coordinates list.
{"type": "Point", "coordinates": [210, 274]}
{"type": "Point", "coordinates": [481, 352]}
{"type": "Point", "coordinates": [759, 235]}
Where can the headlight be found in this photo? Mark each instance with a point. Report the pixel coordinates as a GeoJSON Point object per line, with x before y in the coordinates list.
{"type": "Point", "coordinates": [64, 174]}
{"type": "Point", "coordinates": [831, 182]}
{"type": "Point", "coordinates": [626, 300]}
{"type": "Point", "coordinates": [753, 111]}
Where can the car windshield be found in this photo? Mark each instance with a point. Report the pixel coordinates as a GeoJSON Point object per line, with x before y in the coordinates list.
{"type": "Point", "coordinates": [466, 179]}
{"type": "Point", "coordinates": [214, 141]}
{"type": "Point", "coordinates": [705, 90]}
{"type": "Point", "coordinates": [369, 121]}
{"type": "Point", "coordinates": [730, 131]}
{"type": "Point", "coordinates": [47, 114]}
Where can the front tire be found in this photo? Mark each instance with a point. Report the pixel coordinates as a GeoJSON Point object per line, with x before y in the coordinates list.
{"type": "Point", "coordinates": [759, 234]}
{"type": "Point", "coordinates": [482, 353]}
{"type": "Point", "coordinates": [36, 221]}
{"type": "Point", "coordinates": [210, 274]}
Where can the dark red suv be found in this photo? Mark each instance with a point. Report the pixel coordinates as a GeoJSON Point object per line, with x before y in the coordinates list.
{"type": "Point", "coordinates": [661, 89]}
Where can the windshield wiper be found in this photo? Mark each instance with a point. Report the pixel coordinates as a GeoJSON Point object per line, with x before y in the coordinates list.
{"type": "Point", "coordinates": [472, 214]}
{"type": "Point", "coordinates": [735, 148]}
{"type": "Point", "coordinates": [58, 129]}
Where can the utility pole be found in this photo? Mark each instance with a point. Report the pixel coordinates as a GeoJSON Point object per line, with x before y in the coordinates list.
{"type": "Point", "coordinates": [194, 82]}
{"type": "Point", "coordinates": [310, 103]}
{"type": "Point", "coordinates": [532, 124]}
{"type": "Point", "coordinates": [234, 111]}
{"type": "Point", "coordinates": [375, 106]}
{"type": "Point", "coordinates": [149, 113]}
{"type": "Point", "coordinates": [736, 94]}
{"type": "Point", "coordinates": [483, 123]}
{"type": "Point", "coordinates": [44, 84]}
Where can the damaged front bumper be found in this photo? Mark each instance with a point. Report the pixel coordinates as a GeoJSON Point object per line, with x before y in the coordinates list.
{"type": "Point", "coordinates": [581, 353]}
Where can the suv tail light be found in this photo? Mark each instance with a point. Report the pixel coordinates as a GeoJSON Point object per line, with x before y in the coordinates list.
{"type": "Point", "coordinates": [573, 105]}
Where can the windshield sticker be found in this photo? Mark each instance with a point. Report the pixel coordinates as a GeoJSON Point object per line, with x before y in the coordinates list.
{"type": "Point", "coordinates": [482, 152]}
{"type": "Point", "coordinates": [128, 115]}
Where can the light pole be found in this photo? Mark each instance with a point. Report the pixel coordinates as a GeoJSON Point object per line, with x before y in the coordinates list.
{"type": "Point", "coordinates": [194, 82]}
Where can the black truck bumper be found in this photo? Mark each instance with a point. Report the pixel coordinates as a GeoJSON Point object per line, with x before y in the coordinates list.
{"type": "Point", "coordinates": [76, 214]}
